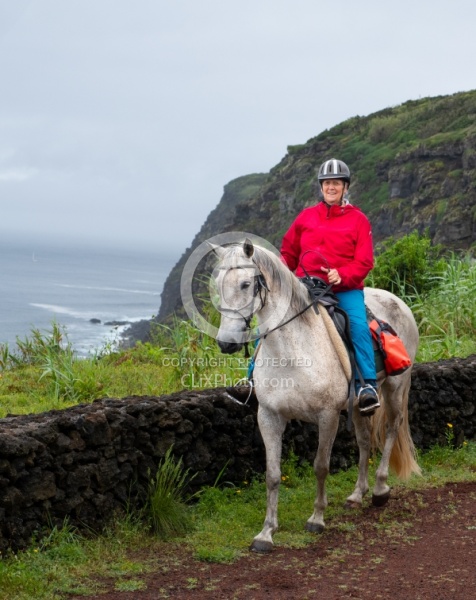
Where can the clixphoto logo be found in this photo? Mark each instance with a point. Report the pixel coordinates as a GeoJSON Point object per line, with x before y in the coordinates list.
{"type": "Point", "coordinates": [192, 380]}
{"type": "Point", "coordinates": [212, 275]}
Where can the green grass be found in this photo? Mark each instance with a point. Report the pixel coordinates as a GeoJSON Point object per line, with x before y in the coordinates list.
{"type": "Point", "coordinates": [48, 376]}
{"type": "Point", "coordinates": [439, 291]}
{"type": "Point", "coordinates": [222, 524]}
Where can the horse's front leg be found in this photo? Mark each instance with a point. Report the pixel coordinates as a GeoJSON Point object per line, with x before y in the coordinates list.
{"type": "Point", "coordinates": [272, 428]}
{"type": "Point", "coordinates": [328, 424]}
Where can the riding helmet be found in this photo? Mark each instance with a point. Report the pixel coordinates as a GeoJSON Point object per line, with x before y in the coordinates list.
{"type": "Point", "coordinates": [334, 169]}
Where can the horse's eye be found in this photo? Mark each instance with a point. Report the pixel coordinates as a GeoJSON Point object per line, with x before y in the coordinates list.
{"type": "Point", "coordinates": [245, 285]}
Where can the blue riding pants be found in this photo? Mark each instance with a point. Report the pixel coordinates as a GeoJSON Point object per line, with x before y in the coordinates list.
{"type": "Point", "coordinates": [353, 304]}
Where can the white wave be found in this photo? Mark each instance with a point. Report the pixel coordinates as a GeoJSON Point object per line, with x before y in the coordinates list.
{"type": "Point", "coordinates": [64, 310]}
{"type": "Point", "coordinates": [107, 289]}
{"type": "Point", "coordinates": [87, 315]}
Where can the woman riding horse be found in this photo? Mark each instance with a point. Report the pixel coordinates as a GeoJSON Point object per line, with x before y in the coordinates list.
{"type": "Point", "coordinates": [333, 241]}
{"type": "Point", "coordinates": [303, 372]}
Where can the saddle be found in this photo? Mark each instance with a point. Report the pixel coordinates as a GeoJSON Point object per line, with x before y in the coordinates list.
{"type": "Point", "coordinates": [317, 289]}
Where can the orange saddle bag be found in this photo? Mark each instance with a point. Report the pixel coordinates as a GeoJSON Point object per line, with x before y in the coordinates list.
{"type": "Point", "coordinates": [394, 354]}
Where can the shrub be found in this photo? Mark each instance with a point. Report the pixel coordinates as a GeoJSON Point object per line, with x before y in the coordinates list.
{"type": "Point", "coordinates": [407, 266]}
{"type": "Point", "coordinates": [381, 128]}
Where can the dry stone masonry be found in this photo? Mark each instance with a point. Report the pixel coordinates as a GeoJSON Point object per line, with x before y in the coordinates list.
{"type": "Point", "coordinates": [87, 462]}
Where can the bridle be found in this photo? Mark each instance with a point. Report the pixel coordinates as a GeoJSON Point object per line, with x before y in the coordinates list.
{"type": "Point", "coordinates": [260, 287]}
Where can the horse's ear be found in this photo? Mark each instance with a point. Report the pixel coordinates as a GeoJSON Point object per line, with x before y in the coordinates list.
{"type": "Point", "coordinates": [248, 248]}
{"type": "Point", "coordinates": [217, 250]}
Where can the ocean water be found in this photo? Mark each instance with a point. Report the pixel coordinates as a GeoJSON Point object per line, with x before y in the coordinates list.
{"type": "Point", "coordinates": [43, 282]}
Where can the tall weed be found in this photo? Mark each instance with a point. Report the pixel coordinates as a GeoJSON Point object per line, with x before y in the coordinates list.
{"type": "Point", "coordinates": [446, 315]}
{"type": "Point", "coordinates": [193, 359]}
{"type": "Point", "coordinates": [52, 355]}
{"type": "Point", "coordinates": [33, 348]}
{"type": "Point", "coordinates": [166, 508]}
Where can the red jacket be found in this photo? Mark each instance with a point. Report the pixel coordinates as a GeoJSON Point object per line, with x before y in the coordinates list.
{"type": "Point", "coordinates": [335, 237]}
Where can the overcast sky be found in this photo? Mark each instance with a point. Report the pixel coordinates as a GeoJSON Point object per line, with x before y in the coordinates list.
{"type": "Point", "coordinates": [124, 119]}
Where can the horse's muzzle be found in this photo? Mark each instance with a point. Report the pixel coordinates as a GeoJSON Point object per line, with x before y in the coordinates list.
{"type": "Point", "coordinates": [229, 347]}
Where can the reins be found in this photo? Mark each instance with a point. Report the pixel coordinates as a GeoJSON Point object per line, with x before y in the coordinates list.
{"type": "Point", "coordinates": [301, 312]}
{"type": "Point", "coordinates": [315, 300]}
{"type": "Point", "coordinates": [260, 284]}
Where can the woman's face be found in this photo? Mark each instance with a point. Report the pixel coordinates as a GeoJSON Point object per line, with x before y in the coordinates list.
{"type": "Point", "coordinates": [333, 190]}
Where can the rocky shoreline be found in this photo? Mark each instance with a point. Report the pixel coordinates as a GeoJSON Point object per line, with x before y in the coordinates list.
{"type": "Point", "coordinates": [139, 331]}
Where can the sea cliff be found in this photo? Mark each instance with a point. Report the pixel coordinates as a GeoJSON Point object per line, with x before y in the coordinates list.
{"type": "Point", "coordinates": [413, 169]}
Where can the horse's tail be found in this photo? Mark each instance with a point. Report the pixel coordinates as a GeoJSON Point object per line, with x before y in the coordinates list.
{"type": "Point", "coordinates": [403, 460]}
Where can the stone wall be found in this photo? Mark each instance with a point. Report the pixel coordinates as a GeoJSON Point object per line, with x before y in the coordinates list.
{"type": "Point", "coordinates": [87, 462]}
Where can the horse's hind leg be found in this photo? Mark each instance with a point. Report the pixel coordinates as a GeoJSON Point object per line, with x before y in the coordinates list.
{"type": "Point", "coordinates": [328, 424]}
{"type": "Point", "coordinates": [272, 427]}
{"type": "Point", "coordinates": [362, 433]}
{"type": "Point", "coordinates": [394, 392]}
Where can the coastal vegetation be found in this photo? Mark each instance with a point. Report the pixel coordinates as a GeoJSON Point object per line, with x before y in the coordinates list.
{"type": "Point", "coordinates": [42, 373]}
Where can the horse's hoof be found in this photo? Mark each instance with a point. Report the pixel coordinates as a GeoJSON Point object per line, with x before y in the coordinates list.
{"type": "Point", "coordinates": [261, 547]}
{"type": "Point", "coordinates": [314, 527]}
{"type": "Point", "coordinates": [351, 505]}
{"type": "Point", "coordinates": [380, 500]}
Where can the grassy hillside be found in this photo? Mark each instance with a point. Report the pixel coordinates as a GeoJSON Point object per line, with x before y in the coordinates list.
{"type": "Point", "coordinates": [413, 169]}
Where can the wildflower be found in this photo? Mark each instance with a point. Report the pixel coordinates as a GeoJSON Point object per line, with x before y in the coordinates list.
{"type": "Point", "coordinates": [449, 434]}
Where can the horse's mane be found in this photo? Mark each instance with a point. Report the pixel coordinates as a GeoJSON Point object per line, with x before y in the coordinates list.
{"type": "Point", "coordinates": [277, 275]}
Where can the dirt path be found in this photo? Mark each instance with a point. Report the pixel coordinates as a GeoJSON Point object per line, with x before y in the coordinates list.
{"type": "Point", "coordinates": [422, 546]}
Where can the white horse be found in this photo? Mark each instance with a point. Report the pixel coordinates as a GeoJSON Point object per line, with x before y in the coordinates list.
{"type": "Point", "coordinates": [302, 371]}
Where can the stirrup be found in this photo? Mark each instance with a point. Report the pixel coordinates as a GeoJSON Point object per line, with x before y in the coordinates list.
{"type": "Point", "coordinates": [368, 400]}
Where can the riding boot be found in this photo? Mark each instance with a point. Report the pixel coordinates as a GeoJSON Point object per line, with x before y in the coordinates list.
{"type": "Point", "coordinates": [367, 397]}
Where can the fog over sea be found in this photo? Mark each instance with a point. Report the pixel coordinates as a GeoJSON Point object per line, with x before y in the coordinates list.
{"type": "Point", "coordinates": [42, 282]}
